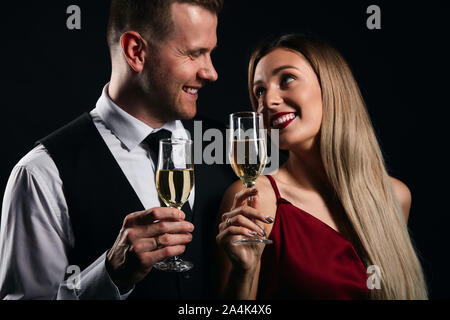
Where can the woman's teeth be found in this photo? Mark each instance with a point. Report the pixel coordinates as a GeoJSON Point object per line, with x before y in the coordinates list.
{"type": "Point", "coordinates": [283, 119]}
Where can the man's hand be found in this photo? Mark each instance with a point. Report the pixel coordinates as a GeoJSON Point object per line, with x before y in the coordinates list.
{"type": "Point", "coordinates": [146, 237]}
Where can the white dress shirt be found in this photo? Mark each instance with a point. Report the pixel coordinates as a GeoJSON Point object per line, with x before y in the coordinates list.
{"type": "Point", "coordinates": [36, 234]}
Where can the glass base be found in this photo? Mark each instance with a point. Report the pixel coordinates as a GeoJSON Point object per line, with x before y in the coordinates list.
{"type": "Point", "coordinates": [252, 240]}
{"type": "Point", "coordinates": [171, 265]}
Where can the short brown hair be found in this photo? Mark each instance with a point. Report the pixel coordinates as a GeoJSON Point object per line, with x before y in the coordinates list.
{"type": "Point", "coordinates": [151, 18]}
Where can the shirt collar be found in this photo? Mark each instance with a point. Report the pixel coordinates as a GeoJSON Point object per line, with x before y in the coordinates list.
{"type": "Point", "coordinates": [128, 129]}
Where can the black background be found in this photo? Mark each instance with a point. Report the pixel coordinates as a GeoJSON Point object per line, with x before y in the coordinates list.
{"type": "Point", "coordinates": [51, 74]}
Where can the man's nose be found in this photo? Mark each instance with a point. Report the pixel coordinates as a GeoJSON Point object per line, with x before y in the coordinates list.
{"type": "Point", "coordinates": [208, 72]}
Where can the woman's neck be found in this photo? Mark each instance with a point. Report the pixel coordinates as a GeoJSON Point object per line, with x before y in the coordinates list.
{"type": "Point", "coordinates": [305, 170]}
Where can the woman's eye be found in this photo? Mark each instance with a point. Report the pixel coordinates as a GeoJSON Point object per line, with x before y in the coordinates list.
{"type": "Point", "coordinates": [259, 92]}
{"type": "Point", "coordinates": [287, 79]}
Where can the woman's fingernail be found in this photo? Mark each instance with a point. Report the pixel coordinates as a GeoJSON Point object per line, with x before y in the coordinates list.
{"type": "Point", "coordinates": [263, 233]}
{"type": "Point", "coordinates": [269, 219]}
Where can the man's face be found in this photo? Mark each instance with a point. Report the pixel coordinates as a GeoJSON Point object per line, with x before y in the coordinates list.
{"type": "Point", "coordinates": [182, 64]}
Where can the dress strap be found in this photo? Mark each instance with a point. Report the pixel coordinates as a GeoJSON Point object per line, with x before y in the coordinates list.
{"type": "Point", "coordinates": [274, 186]}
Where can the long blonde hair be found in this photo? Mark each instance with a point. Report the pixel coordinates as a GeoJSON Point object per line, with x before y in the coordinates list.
{"type": "Point", "coordinates": [356, 170]}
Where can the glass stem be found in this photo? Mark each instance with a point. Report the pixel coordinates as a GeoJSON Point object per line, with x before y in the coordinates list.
{"type": "Point", "coordinates": [175, 258]}
{"type": "Point", "coordinates": [250, 199]}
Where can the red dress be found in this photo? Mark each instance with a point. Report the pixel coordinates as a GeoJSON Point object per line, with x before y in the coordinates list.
{"type": "Point", "coordinates": [308, 259]}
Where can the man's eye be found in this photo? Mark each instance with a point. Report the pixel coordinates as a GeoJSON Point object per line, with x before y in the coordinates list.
{"type": "Point", "coordinates": [195, 55]}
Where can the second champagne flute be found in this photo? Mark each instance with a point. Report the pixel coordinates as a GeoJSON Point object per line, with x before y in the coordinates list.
{"type": "Point", "coordinates": [174, 182]}
{"type": "Point", "coordinates": [247, 153]}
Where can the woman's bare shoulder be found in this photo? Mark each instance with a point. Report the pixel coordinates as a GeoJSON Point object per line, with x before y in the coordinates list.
{"type": "Point", "coordinates": [266, 194]}
{"type": "Point", "coordinates": [231, 191]}
{"type": "Point", "coordinates": [264, 186]}
{"type": "Point", "coordinates": [403, 194]}
{"type": "Point", "coordinates": [235, 187]}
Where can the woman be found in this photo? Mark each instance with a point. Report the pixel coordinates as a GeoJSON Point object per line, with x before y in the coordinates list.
{"type": "Point", "coordinates": [338, 221]}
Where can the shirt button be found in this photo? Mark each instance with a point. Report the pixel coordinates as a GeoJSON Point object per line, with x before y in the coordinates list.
{"type": "Point", "coordinates": [186, 276]}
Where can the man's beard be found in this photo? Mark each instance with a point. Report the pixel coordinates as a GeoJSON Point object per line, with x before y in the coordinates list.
{"type": "Point", "coordinates": [162, 95]}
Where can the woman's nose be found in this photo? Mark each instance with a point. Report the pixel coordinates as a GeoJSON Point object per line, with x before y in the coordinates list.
{"type": "Point", "coordinates": [272, 98]}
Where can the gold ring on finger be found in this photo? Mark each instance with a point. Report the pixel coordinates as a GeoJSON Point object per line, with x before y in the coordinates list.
{"type": "Point", "coordinates": [158, 243]}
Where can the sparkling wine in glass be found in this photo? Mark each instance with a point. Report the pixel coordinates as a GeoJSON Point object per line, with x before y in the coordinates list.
{"type": "Point", "coordinates": [174, 182]}
{"type": "Point", "coordinates": [248, 153]}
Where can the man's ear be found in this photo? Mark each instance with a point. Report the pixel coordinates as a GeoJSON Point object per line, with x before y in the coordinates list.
{"type": "Point", "coordinates": [134, 49]}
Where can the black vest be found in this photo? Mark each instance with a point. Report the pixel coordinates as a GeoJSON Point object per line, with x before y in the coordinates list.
{"type": "Point", "coordinates": [99, 197]}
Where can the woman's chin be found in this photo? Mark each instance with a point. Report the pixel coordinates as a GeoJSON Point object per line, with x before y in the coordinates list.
{"type": "Point", "coordinates": [284, 146]}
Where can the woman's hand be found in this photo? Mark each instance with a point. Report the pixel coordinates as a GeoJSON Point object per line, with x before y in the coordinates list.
{"type": "Point", "coordinates": [244, 220]}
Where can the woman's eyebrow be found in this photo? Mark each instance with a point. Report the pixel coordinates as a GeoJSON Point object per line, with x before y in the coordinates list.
{"type": "Point", "coordinates": [275, 71]}
{"type": "Point", "coordinates": [257, 82]}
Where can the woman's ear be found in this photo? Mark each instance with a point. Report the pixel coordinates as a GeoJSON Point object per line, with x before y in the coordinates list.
{"type": "Point", "coordinates": [134, 49]}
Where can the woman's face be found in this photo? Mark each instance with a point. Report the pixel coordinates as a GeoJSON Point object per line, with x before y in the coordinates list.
{"type": "Point", "coordinates": [289, 95]}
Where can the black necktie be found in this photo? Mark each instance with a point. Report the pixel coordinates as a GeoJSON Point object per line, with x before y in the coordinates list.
{"type": "Point", "coordinates": [152, 141]}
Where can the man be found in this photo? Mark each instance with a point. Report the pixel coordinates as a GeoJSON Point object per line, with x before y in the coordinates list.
{"type": "Point", "coordinates": [85, 197]}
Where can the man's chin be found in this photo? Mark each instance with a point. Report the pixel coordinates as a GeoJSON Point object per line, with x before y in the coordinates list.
{"type": "Point", "coordinates": [188, 114]}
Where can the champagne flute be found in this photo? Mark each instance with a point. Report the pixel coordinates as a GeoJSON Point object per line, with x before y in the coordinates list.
{"type": "Point", "coordinates": [247, 153]}
{"type": "Point", "coordinates": [174, 182]}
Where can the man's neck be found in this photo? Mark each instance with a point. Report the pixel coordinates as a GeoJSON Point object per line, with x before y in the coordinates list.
{"type": "Point", "coordinates": [127, 99]}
